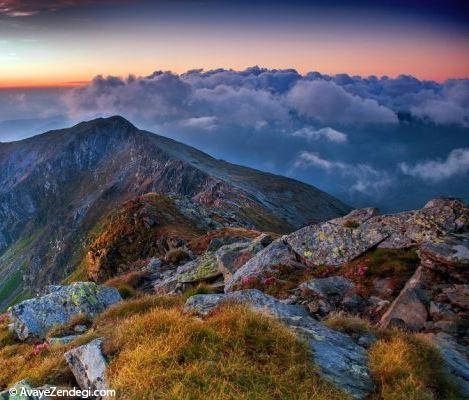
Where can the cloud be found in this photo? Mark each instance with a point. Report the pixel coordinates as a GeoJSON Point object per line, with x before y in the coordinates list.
{"type": "Point", "coordinates": [456, 163]}
{"type": "Point", "coordinates": [363, 177]}
{"type": "Point", "coordinates": [328, 133]}
{"type": "Point", "coordinates": [329, 103]}
{"type": "Point", "coordinates": [205, 123]}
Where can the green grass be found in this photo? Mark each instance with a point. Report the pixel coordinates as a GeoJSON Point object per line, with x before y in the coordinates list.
{"type": "Point", "coordinates": [10, 285]}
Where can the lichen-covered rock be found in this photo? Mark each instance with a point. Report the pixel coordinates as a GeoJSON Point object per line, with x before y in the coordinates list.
{"type": "Point", "coordinates": [88, 365]}
{"type": "Point", "coordinates": [35, 317]}
{"type": "Point", "coordinates": [201, 269]}
{"type": "Point", "coordinates": [455, 357]}
{"type": "Point", "coordinates": [233, 256]}
{"type": "Point", "coordinates": [331, 244]}
{"type": "Point", "coordinates": [439, 217]}
{"type": "Point", "coordinates": [339, 359]}
{"type": "Point", "coordinates": [19, 391]}
{"type": "Point", "coordinates": [409, 309]}
{"type": "Point", "coordinates": [356, 217]}
{"type": "Point", "coordinates": [266, 262]}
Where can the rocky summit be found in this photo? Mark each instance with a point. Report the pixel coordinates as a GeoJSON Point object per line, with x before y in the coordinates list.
{"type": "Point", "coordinates": [177, 276]}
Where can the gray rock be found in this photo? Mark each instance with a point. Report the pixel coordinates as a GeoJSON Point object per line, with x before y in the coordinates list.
{"type": "Point", "coordinates": [440, 311]}
{"type": "Point", "coordinates": [201, 269]}
{"type": "Point", "coordinates": [218, 242]}
{"type": "Point", "coordinates": [451, 251]}
{"type": "Point", "coordinates": [455, 358]}
{"type": "Point", "coordinates": [458, 295]}
{"type": "Point", "coordinates": [35, 317]}
{"type": "Point", "coordinates": [88, 365]}
{"type": "Point", "coordinates": [339, 358]}
{"type": "Point", "coordinates": [409, 309]}
{"type": "Point", "coordinates": [331, 244]}
{"type": "Point", "coordinates": [336, 286]}
{"type": "Point", "coordinates": [265, 263]}
{"type": "Point", "coordinates": [154, 264]}
{"type": "Point", "coordinates": [20, 388]}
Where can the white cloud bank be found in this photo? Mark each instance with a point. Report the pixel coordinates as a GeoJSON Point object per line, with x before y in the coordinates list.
{"type": "Point", "coordinates": [456, 163]}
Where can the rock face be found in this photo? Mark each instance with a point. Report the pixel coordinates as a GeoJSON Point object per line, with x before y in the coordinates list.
{"type": "Point", "coordinates": [35, 317]}
{"type": "Point", "coordinates": [88, 365]}
{"type": "Point", "coordinates": [338, 357]}
{"type": "Point", "coordinates": [410, 307]}
{"type": "Point", "coordinates": [73, 177]}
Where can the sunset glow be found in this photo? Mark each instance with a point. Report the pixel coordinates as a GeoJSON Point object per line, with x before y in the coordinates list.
{"type": "Point", "coordinates": [75, 43]}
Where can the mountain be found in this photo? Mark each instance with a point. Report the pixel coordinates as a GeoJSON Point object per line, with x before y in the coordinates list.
{"type": "Point", "coordinates": [58, 189]}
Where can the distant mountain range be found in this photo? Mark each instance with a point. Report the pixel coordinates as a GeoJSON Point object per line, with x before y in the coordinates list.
{"type": "Point", "coordinates": [58, 189]}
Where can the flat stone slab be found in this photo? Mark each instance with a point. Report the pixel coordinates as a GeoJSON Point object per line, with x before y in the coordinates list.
{"type": "Point", "coordinates": [35, 317]}
{"type": "Point", "coordinates": [338, 357]}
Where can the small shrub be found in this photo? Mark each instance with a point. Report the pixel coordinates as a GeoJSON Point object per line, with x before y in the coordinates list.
{"type": "Point", "coordinates": [176, 256]}
{"type": "Point", "coordinates": [127, 284]}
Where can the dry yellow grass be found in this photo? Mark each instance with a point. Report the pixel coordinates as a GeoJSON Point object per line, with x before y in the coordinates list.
{"type": "Point", "coordinates": [157, 352]}
{"type": "Point", "coordinates": [234, 354]}
{"type": "Point", "coordinates": [349, 324]}
{"type": "Point", "coordinates": [408, 368]}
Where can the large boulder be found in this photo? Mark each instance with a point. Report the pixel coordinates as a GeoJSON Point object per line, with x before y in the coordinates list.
{"type": "Point", "coordinates": [35, 317]}
{"type": "Point", "coordinates": [339, 359]}
{"type": "Point", "coordinates": [267, 262]}
{"type": "Point", "coordinates": [331, 244]}
{"type": "Point", "coordinates": [88, 365]}
{"type": "Point", "coordinates": [409, 309]}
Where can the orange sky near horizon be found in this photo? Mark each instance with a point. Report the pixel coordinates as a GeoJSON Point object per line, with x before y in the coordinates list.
{"type": "Point", "coordinates": [33, 55]}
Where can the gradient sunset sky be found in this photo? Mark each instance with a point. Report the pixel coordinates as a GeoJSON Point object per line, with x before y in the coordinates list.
{"type": "Point", "coordinates": [65, 42]}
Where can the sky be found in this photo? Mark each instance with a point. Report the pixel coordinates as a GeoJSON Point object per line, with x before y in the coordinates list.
{"type": "Point", "coordinates": [367, 100]}
{"type": "Point", "coordinates": [49, 42]}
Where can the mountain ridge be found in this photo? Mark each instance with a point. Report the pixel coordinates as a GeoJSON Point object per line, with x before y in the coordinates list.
{"type": "Point", "coordinates": [56, 187]}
